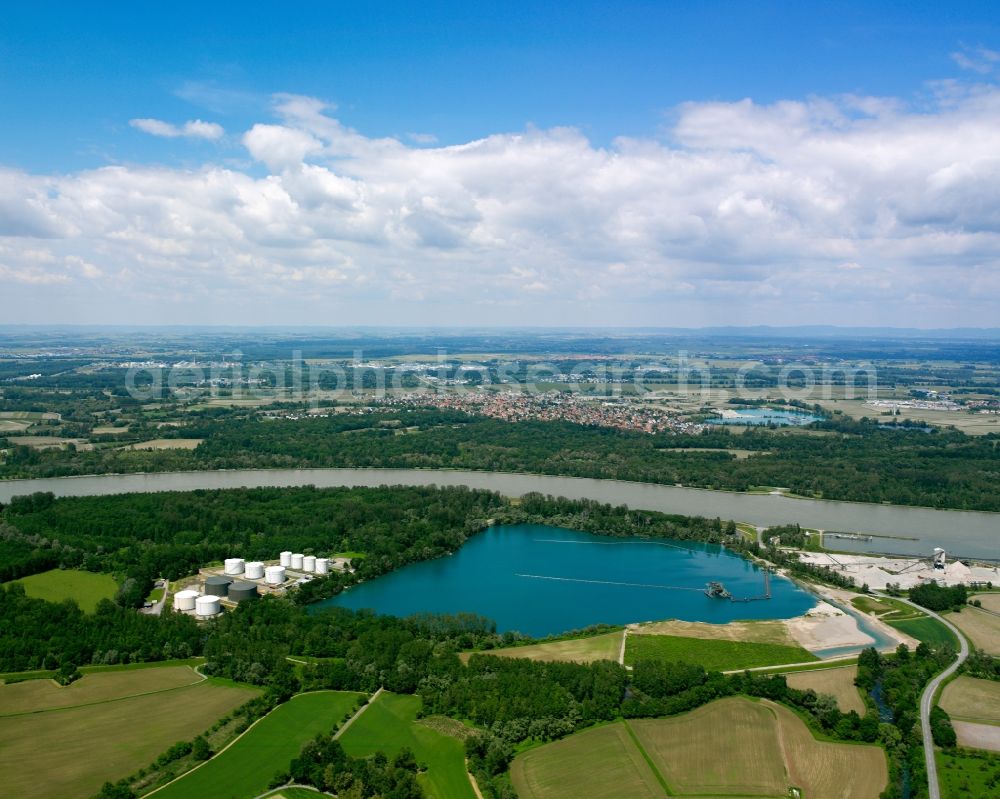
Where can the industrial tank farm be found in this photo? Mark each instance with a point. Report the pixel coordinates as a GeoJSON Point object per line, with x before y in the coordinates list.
{"type": "Point", "coordinates": [238, 580]}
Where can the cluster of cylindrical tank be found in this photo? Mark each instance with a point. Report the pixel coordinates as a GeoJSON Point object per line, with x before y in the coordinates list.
{"type": "Point", "coordinates": [224, 586]}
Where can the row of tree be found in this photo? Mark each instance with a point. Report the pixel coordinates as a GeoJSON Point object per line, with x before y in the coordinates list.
{"type": "Point", "coordinates": [852, 460]}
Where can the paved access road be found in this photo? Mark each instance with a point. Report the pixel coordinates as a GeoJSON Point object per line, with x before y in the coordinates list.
{"type": "Point", "coordinates": [927, 700]}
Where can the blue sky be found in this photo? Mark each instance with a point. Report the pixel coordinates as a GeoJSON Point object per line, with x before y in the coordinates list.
{"type": "Point", "coordinates": [481, 162]}
{"type": "Point", "coordinates": [73, 74]}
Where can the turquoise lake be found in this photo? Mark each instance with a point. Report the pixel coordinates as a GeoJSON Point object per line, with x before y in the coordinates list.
{"type": "Point", "coordinates": [543, 580]}
{"type": "Point", "coordinates": [765, 416]}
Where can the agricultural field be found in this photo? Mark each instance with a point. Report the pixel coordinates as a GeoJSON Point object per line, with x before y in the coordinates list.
{"type": "Point", "coordinates": [989, 601]}
{"type": "Point", "coordinates": [166, 443]}
{"type": "Point", "coordinates": [389, 724]}
{"type": "Point", "coordinates": [838, 682]}
{"type": "Point", "coordinates": [246, 768]}
{"type": "Point", "coordinates": [972, 424]}
{"type": "Point", "coordinates": [86, 588]}
{"type": "Point", "coordinates": [580, 650]}
{"type": "Point", "coordinates": [980, 626]}
{"type": "Point", "coordinates": [765, 751]}
{"type": "Point", "coordinates": [49, 442]}
{"type": "Point", "coordinates": [600, 763]}
{"type": "Point", "coordinates": [971, 699]}
{"type": "Point", "coordinates": [713, 654]}
{"type": "Point", "coordinates": [33, 696]}
{"type": "Point", "coordinates": [965, 773]}
{"type": "Point", "coordinates": [100, 742]}
{"type": "Point", "coordinates": [927, 630]}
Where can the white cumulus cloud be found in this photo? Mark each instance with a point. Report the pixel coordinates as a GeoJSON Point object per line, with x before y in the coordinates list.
{"type": "Point", "coordinates": [192, 129]}
{"type": "Point", "coordinates": [840, 209]}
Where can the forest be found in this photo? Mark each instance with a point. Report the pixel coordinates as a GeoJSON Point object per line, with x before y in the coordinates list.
{"type": "Point", "coordinates": [847, 460]}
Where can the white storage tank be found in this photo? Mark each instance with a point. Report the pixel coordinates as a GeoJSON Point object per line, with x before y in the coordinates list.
{"type": "Point", "coordinates": [297, 561]}
{"type": "Point", "coordinates": [275, 575]}
{"type": "Point", "coordinates": [185, 600]}
{"type": "Point", "coordinates": [207, 605]}
{"type": "Point", "coordinates": [308, 563]}
{"type": "Point", "coordinates": [322, 565]}
{"type": "Point", "coordinates": [286, 558]}
{"type": "Point", "coordinates": [254, 570]}
{"type": "Point", "coordinates": [234, 566]}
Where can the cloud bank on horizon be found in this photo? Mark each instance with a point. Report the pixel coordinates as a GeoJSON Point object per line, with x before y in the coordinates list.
{"type": "Point", "coordinates": [844, 210]}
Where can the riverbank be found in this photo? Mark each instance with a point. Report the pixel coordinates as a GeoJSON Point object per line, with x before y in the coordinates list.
{"type": "Point", "coordinates": [917, 530]}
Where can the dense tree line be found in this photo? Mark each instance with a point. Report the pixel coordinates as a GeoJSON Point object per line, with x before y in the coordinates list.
{"type": "Point", "coordinates": [324, 764]}
{"type": "Point", "coordinates": [850, 460]}
{"type": "Point", "coordinates": [938, 597]}
{"type": "Point", "coordinates": [897, 683]}
{"type": "Point", "coordinates": [35, 634]}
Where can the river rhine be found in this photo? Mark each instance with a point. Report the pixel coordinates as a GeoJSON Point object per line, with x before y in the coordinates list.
{"type": "Point", "coordinates": [905, 530]}
{"type": "Point", "coordinates": [542, 580]}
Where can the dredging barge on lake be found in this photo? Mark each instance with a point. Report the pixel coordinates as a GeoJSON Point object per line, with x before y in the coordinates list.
{"type": "Point", "coordinates": [716, 590]}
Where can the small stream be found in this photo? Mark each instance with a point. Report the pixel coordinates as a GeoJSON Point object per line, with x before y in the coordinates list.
{"type": "Point", "coordinates": [885, 716]}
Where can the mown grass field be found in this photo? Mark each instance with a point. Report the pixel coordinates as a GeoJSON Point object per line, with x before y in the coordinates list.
{"type": "Point", "coordinates": [389, 724]}
{"type": "Point", "coordinates": [732, 747]}
{"type": "Point", "coordinates": [982, 628]}
{"type": "Point", "coordinates": [971, 699]}
{"type": "Point", "coordinates": [885, 608]}
{"type": "Point", "coordinates": [69, 752]}
{"type": "Point", "coordinates": [580, 650]}
{"type": "Point", "coordinates": [717, 654]}
{"type": "Point", "coordinates": [38, 695]}
{"type": "Point", "coordinates": [927, 630]}
{"type": "Point", "coordinates": [838, 682]}
{"type": "Point", "coordinates": [86, 588]}
{"type": "Point", "coordinates": [245, 769]}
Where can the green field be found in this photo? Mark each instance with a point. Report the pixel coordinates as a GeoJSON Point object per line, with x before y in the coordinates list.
{"type": "Point", "coordinates": [87, 588]}
{"type": "Point", "coordinates": [389, 724]}
{"type": "Point", "coordinates": [928, 630]}
{"type": "Point", "coordinates": [732, 747]}
{"type": "Point", "coordinates": [68, 752]}
{"type": "Point", "coordinates": [966, 773]}
{"type": "Point", "coordinates": [713, 654]}
{"type": "Point", "coordinates": [246, 768]}
{"type": "Point", "coordinates": [885, 608]}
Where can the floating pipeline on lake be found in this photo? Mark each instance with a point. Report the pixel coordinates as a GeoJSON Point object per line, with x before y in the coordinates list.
{"type": "Point", "coordinates": [526, 579]}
